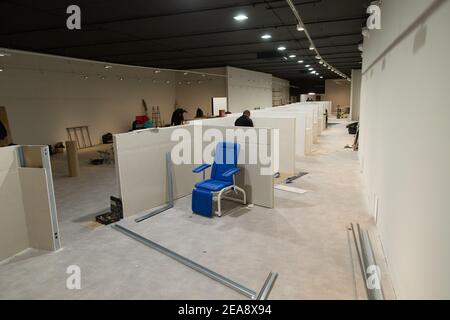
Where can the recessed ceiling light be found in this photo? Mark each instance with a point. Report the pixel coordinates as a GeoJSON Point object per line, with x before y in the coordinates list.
{"type": "Point", "coordinates": [313, 72]}
{"type": "Point", "coordinates": [311, 69]}
{"type": "Point", "coordinates": [281, 48]}
{"type": "Point", "coordinates": [307, 66]}
{"type": "Point", "coordinates": [300, 61]}
{"type": "Point", "coordinates": [240, 17]}
{"type": "Point", "coordinates": [321, 77]}
{"type": "Point", "coordinates": [266, 36]}
{"type": "Point", "coordinates": [292, 56]}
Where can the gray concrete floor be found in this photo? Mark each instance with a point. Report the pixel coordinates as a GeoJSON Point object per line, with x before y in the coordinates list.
{"type": "Point", "coordinates": [304, 239]}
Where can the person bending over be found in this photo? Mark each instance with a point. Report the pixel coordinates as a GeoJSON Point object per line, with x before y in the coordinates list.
{"type": "Point", "coordinates": [244, 120]}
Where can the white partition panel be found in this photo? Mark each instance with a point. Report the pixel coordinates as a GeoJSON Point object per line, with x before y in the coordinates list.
{"type": "Point", "coordinates": [13, 227]}
{"type": "Point", "coordinates": [286, 127]}
{"type": "Point", "coordinates": [27, 211]}
{"type": "Point", "coordinates": [141, 169]}
{"type": "Point", "coordinates": [255, 178]}
{"type": "Point", "coordinates": [301, 132]}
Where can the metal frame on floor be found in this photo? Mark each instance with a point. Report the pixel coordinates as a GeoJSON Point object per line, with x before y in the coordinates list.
{"type": "Point", "coordinates": [268, 284]}
{"type": "Point", "coordinates": [262, 295]}
{"type": "Point", "coordinates": [366, 259]}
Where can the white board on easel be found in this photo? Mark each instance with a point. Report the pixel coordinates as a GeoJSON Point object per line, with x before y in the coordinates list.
{"type": "Point", "coordinates": [219, 103]}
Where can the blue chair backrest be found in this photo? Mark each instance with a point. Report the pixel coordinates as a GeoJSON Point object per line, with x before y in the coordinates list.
{"type": "Point", "coordinates": [226, 158]}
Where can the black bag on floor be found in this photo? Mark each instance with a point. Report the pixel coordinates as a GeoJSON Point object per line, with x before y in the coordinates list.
{"type": "Point", "coordinates": [107, 138]}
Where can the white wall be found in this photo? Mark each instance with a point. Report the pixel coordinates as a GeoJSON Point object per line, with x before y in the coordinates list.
{"type": "Point", "coordinates": [280, 91]}
{"type": "Point", "coordinates": [355, 97]}
{"type": "Point", "coordinates": [43, 96]}
{"type": "Point", "coordinates": [338, 92]}
{"type": "Point", "coordinates": [200, 90]}
{"type": "Point", "coordinates": [405, 154]}
{"type": "Point", "coordinates": [248, 90]}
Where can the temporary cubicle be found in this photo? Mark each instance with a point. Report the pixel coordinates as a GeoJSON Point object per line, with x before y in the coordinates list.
{"type": "Point", "coordinates": [28, 217]}
{"type": "Point", "coordinates": [141, 164]}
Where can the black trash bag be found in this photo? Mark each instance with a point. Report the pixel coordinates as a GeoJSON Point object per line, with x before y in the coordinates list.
{"type": "Point", "coordinates": [107, 138]}
{"type": "Point", "coordinates": [353, 128]}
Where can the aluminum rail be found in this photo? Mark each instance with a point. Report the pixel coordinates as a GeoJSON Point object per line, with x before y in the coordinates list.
{"type": "Point", "coordinates": [374, 291]}
{"type": "Point", "coordinates": [193, 265]}
{"type": "Point", "coordinates": [169, 192]}
{"type": "Point", "coordinates": [267, 287]}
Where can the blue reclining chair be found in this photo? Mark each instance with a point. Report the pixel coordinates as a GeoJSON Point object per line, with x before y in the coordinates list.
{"type": "Point", "coordinates": [222, 180]}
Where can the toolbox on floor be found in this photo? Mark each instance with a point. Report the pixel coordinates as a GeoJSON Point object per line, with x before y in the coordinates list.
{"type": "Point", "coordinates": [115, 215]}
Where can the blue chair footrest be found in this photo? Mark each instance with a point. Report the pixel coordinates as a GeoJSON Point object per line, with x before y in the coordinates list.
{"type": "Point", "coordinates": [202, 202]}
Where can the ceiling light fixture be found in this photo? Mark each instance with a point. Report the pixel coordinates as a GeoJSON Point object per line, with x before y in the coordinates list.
{"type": "Point", "coordinates": [311, 69]}
{"type": "Point", "coordinates": [4, 54]}
{"type": "Point", "coordinates": [266, 36]}
{"type": "Point", "coordinates": [300, 61]}
{"type": "Point", "coordinates": [108, 67]}
{"type": "Point", "coordinates": [300, 27]}
{"type": "Point", "coordinates": [307, 66]}
{"type": "Point", "coordinates": [240, 17]}
{"type": "Point", "coordinates": [281, 48]}
{"type": "Point", "coordinates": [292, 56]}
{"type": "Point", "coordinates": [157, 71]}
{"type": "Point", "coordinates": [1, 69]}
{"type": "Point", "coordinates": [300, 23]}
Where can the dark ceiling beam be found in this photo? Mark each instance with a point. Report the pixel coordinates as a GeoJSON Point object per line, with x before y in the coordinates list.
{"type": "Point", "coordinates": [101, 24]}
{"type": "Point", "coordinates": [228, 45]}
{"type": "Point", "coordinates": [228, 55]}
{"type": "Point", "coordinates": [198, 34]}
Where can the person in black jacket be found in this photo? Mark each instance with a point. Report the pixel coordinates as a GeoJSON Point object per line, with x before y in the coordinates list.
{"type": "Point", "coordinates": [244, 120]}
{"type": "Point", "coordinates": [178, 117]}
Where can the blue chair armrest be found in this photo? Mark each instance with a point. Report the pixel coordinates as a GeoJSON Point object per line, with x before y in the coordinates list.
{"type": "Point", "coordinates": [231, 172]}
{"type": "Point", "coordinates": [202, 168]}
